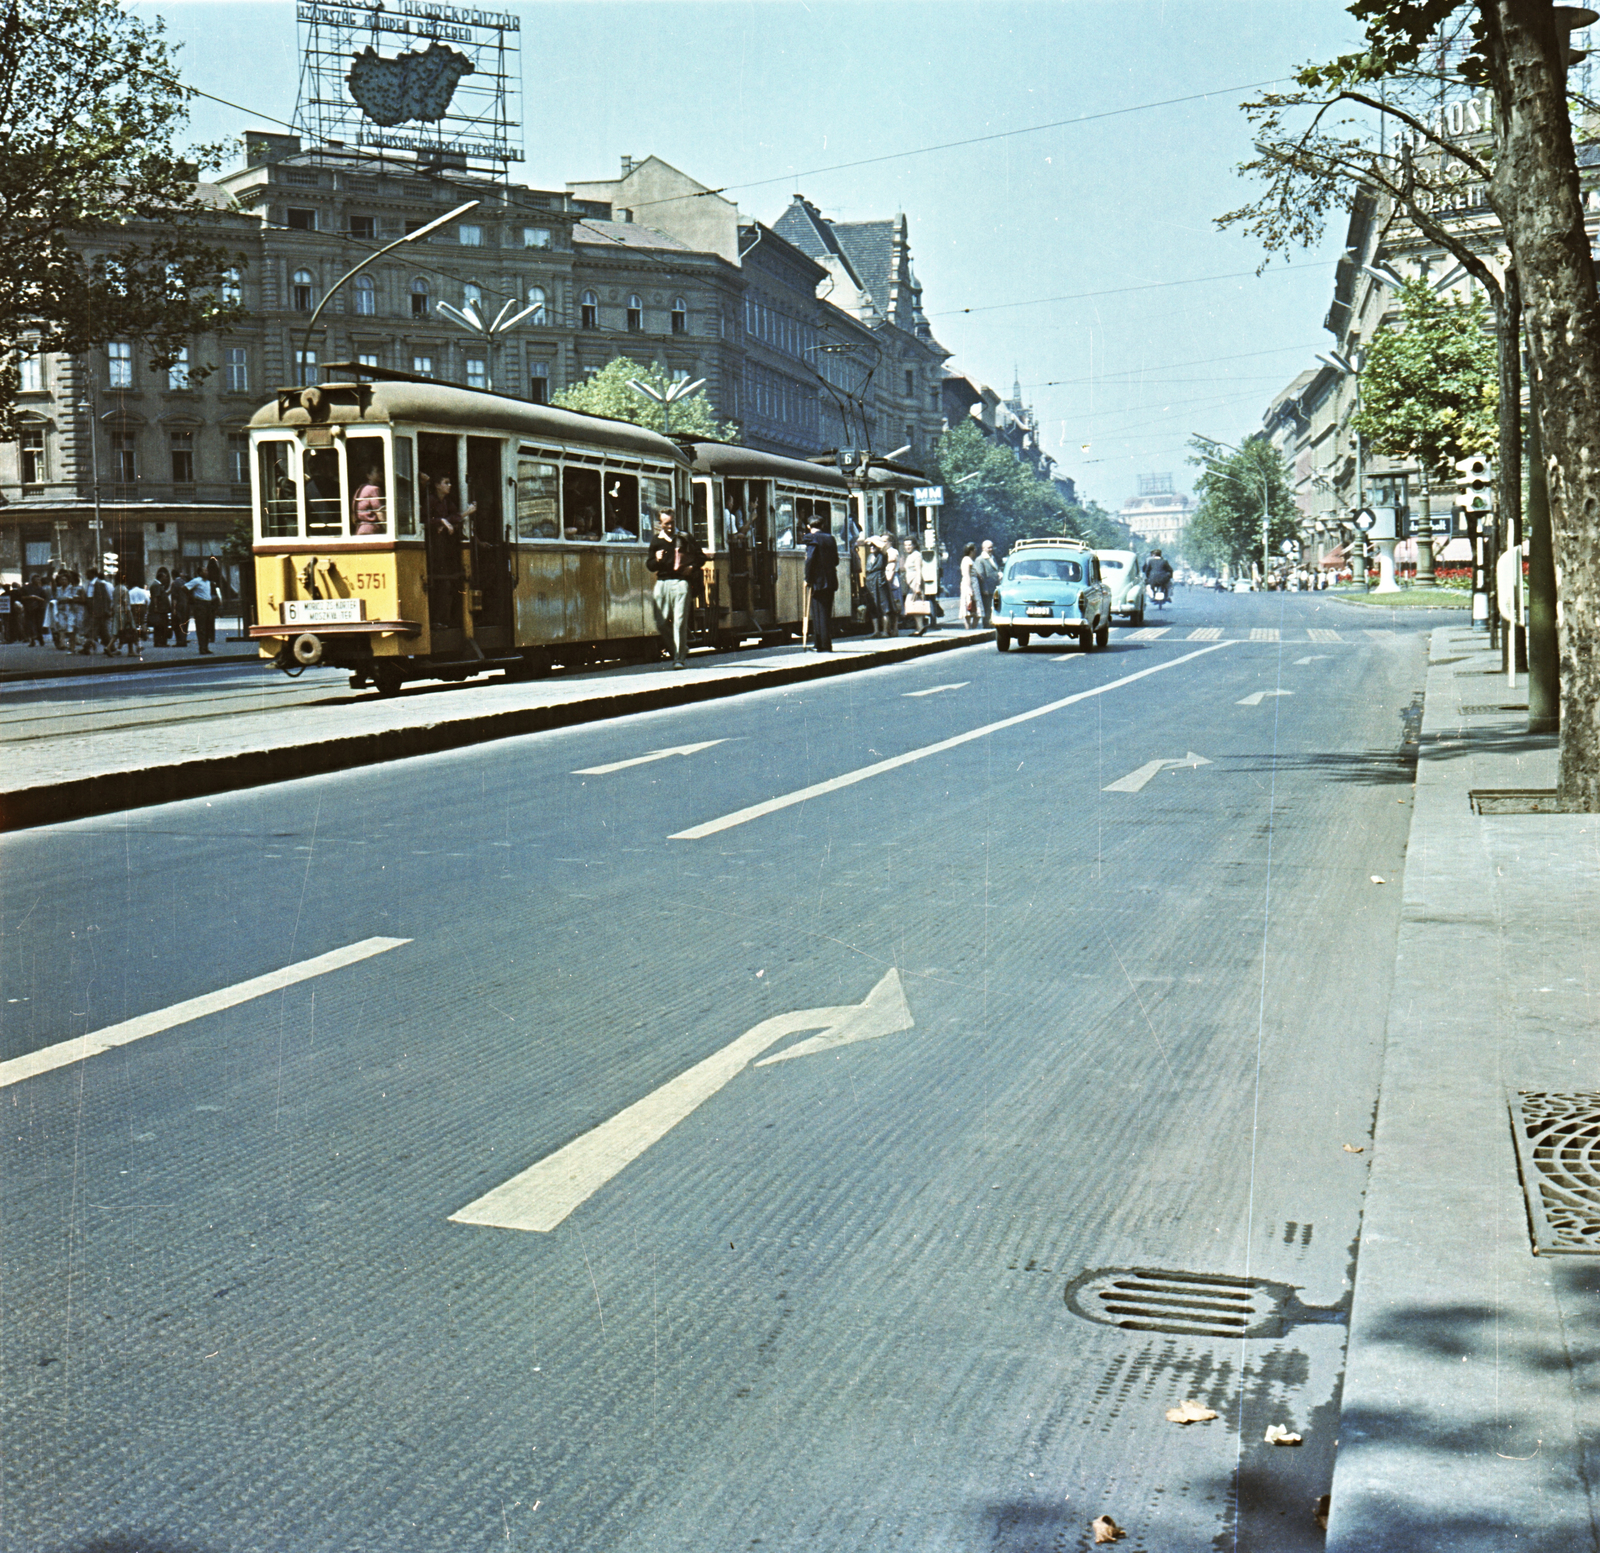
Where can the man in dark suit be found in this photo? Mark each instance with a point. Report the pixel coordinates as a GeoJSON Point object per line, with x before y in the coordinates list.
{"type": "Point", "coordinates": [822, 579]}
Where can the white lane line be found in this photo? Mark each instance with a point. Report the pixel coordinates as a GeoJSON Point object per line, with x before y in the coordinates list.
{"type": "Point", "coordinates": [1316, 657]}
{"type": "Point", "coordinates": [1264, 634]}
{"type": "Point", "coordinates": [1205, 634]}
{"type": "Point", "coordinates": [544, 1194]}
{"type": "Point", "coordinates": [935, 689]}
{"type": "Point", "coordinates": [65, 1053]}
{"type": "Point", "coordinates": [850, 778]}
{"type": "Point", "coordinates": [1135, 780]}
{"type": "Point", "coordinates": [1255, 698]}
{"type": "Point", "coordinates": [1318, 635]}
{"type": "Point", "coordinates": [644, 760]}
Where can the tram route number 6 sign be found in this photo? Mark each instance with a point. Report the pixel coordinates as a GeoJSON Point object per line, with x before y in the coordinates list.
{"type": "Point", "coordinates": [322, 612]}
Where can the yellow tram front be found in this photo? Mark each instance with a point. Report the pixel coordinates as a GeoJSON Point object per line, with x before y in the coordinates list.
{"type": "Point", "coordinates": [407, 529]}
{"type": "Point", "coordinates": [752, 511]}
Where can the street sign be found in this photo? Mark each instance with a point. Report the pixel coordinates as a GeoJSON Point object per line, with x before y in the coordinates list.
{"type": "Point", "coordinates": [928, 496]}
{"type": "Point", "coordinates": [1289, 546]}
{"type": "Point", "coordinates": [1366, 519]}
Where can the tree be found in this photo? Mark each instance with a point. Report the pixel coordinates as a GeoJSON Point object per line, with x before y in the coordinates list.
{"type": "Point", "coordinates": [606, 392]}
{"type": "Point", "coordinates": [1519, 50]}
{"type": "Point", "coordinates": [89, 107]}
{"type": "Point", "coordinates": [1226, 527]}
{"type": "Point", "coordinates": [1430, 390]}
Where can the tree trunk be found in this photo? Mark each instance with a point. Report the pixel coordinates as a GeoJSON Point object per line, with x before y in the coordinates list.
{"type": "Point", "coordinates": [1544, 680]}
{"type": "Point", "coordinates": [1535, 193]}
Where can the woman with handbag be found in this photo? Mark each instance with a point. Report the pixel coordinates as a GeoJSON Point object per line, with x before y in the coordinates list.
{"type": "Point", "coordinates": [896, 595]}
{"type": "Point", "coordinates": [969, 587]}
{"type": "Point", "coordinates": [916, 604]}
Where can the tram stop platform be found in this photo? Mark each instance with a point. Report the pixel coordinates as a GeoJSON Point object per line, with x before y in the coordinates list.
{"type": "Point", "coordinates": [132, 754]}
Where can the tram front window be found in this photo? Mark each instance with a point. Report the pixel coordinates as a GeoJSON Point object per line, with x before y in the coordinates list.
{"type": "Point", "coordinates": [369, 500]}
{"type": "Point", "coordinates": [655, 495]}
{"type": "Point", "coordinates": [280, 503]}
{"type": "Point", "coordinates": [580, 501]}
{"type": "Point", "coordinates": [321, 467]}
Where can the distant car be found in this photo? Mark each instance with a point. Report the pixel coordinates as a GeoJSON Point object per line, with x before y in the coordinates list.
{"type": "Point", "coordinates": [1051, 587]}
{"type": "Point", "coordinates": [1120, 568]}
{"type": "Point", "coordinates": [1244, 585]}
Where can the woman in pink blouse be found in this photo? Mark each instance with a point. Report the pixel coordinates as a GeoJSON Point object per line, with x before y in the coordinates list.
{"type": "Point", "coordinates": [369, 504]}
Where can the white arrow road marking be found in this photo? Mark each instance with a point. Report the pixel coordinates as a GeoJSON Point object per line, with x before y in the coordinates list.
{"type": "Point", "coordinates": [862, 773]}
{"type": "Point", "coordinates": [64, 1053]}
{"type": "Point", "coordinates": [1256, 697]}
{"type": "Point", "coordinates": [1135, 780]}
{"type": "Point", "coordinates": [545, 1193]}
{"type": "Point", "coordinates": [934, 690]}
{"type": "Point", "coordinates": [644, 760]}
{"type": "Point", "coordinates": [1315, 657]}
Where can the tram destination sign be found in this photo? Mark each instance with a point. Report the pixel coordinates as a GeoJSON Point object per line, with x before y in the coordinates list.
{"type": "Point", "coordinates": [322, 612]}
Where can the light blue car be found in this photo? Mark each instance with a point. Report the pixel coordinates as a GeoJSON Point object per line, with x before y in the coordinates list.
{"type": "Point", "coordinates": [1051, 587]}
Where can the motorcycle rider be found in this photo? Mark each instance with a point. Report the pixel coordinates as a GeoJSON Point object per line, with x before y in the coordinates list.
{"type": "Point", "coordinates": [1158, 576]}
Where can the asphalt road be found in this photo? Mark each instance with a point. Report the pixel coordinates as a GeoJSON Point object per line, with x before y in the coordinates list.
{"type": "Point", "coordinates": [258, 1290]}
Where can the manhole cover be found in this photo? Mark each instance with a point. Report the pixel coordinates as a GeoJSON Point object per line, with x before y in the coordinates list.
{"type": "Point", "coordinates": [1145, 1299]}
{"type": "Point", "coordinates": [1558, 1150]}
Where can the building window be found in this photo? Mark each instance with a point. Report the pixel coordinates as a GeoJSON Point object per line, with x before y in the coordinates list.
{"type": "Point", "coordinates": [303, 175]}
{"type": "Point", "coordinates": [911, 382]}
{"type": "Point", "coordinates": [419, 298]}
{"type": "Point", "coordinates": [178, 372]}
{"type": "Point", "coordinates": [232, 289]}
{"type": "Point", "coordinates": [422, 366]}
{"type": "Point", "coordinates": [589, 311]}
{"type": "Point", "coordinates": [366, 296]}
{"type": "Point", "coordinates": [472, 292]}
{"type": "Point", "coordinates": [680, 316]}
{"type": "Point", "coordinates": [182, 457]}
{"type": "Point", "coordinates": [32, 442]}
{"type": "Point", "coordinates": [300, 291]}
{"type": "Point", "coordinates": [305, 368]}
{"type": "Point", "coordinates": [469, 236]}
{"type": "Point", "coordinates": [238, 370]}
{"type": "Point", "coordinates": [366, 359]}
{"type": "Point", "coordinates": [124, 467]}
{"type": "Point", "coordinates": [32, 374]}
{"type": "Point", "coordinates": [302, 220]}
{"type": "Point", "coordinates": [537, 301]}
{"type": "Point", "coordinates": [536, 237]}
{"type": "Point", "coordinates": [238, 458]}
{"type": "Point", "coordinates": [477, 372]}
{"type": "Point", "coordinates": [539, 382]}
{"type": "Point", "coordinates": [635, 315]}
{"type": "Point", "coordinates": [365, 227]}
{"type": "Point", "coordinates": [119, 354]}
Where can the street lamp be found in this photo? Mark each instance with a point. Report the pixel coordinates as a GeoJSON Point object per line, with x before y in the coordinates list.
{"type": "Point", "coordinates": [410, 237]}
{"type": "Point", "coordinates": [87, 407]}
{"type": "Point", "coordinates": [667, 397]}
{"type": "Point", "coordinates": [1266, 553]}
{"type": "Point", "coordinates": [470, 318]}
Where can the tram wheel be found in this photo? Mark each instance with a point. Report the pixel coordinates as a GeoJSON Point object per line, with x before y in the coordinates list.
{"type": "Point", "coordinates": [387, 678]}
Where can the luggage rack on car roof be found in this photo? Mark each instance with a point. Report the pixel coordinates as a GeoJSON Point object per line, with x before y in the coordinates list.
{"type": "Point", "coordinates": [1062, 539]}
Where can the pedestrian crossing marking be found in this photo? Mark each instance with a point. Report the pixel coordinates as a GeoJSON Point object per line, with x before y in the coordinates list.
{"type": "Point", "coordinates": [1264, 634]}
{"type": "Point", "coordinates": [1324, 636]}
{"type": "Point", "coordinates": [1205, 634]}
{"type": "Point", "coordinates": [1381, 636]}
{"type": "Point", "coordinates": [1150, 633]}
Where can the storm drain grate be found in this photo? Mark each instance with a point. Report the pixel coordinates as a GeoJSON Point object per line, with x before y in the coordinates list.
{"type": "Point", "coordinates": [1143, 1299]}
{"type": "Point", "coordinates": [1483, 711]}
{"type": "Point", "coordinates": [1558, 1150]}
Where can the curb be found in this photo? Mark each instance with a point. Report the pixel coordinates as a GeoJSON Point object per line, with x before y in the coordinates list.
{"type": "Point", "coordinates": [113, 791]}
{"type": "Point", "coordinates": [130, 666]}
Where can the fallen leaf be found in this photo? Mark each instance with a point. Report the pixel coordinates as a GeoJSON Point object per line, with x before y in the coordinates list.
{"type": "Point", "coordinates": [1351, 1148]}
{"type": "Point", "coordinates": [1278, 1435]}
{"type": "Point", "coordinates": [1320, 1508]}
{"type": "Point", "coordinates": [1105, 1529]}
{"type": "Point", "coordinates": [1376, 879]}
{"type": "Point", "coordinates": [1189, 1413]}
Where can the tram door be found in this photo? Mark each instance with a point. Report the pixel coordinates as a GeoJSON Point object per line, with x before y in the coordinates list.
{"type": "Point", "coordinates": [439, 457]}
{"type": "Point", "coordinates": [491, 558]}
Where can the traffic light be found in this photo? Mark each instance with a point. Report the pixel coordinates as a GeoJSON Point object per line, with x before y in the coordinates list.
{"type": "Point", "coordinates": [1475, 486]}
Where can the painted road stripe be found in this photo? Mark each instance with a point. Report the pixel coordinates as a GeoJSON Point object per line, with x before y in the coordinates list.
{"type": "Point", "coordinates": [64, 1053]}
{"type": "Point", "coordinates": [544, 1194]}
{"type": "Point", "coordinates": [1264, 634]}
{"type": "Point", "coordinates": [1381, 636]}
{"type": "Point", "coordinates": [1257, 697]}
{"type": "Point", "coordinates": [771, 805]}
{"type": "Point", "coordinates": [644, 760]}
{"type": "Point", "coordinates": [1135, 781]}
{"type": "Point", "coordinates": [934, 690]}
{"type": "Point", "coordinates": [1149, 633]}
{"type": "Point", "coordinates": [1205, 634]}
{"type": "Point", "coordinates": [1324, 636]}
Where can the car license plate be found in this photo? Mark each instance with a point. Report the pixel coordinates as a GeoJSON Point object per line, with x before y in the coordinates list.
{"type": "Point", "coordinates": [321, 612]}
{"type": "Point", "coordinates": [1039, 609]}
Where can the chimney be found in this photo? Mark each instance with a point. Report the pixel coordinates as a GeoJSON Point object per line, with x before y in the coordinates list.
{"type": "Point", "coordinates": [627, 165]}
{"type": "Point", "coordinates": [623, 214]}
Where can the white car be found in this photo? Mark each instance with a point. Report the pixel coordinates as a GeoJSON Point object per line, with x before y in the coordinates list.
{"type": "Point", "coordinates": [1120, 569]}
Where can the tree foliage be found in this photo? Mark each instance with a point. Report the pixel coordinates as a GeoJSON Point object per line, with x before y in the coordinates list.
{"type": "Point", "coordinates": [1429, 389]}
{"type": "Point", "coordinates": [1226, 527]}
{"type": "Point", "coordinates": [606, 392]}
{"type": "Point", "coordinates": [990, 494]}
{"type": "Point", "coordinates": [90, 106]}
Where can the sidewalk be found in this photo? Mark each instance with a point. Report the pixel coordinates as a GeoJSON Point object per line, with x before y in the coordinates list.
{"type": "Point", "coordinates": [1470, 1410]}
{"type": "Point", "coordinates": [55, 778]}
{"type": "Point", "coordinates": [18, 661]}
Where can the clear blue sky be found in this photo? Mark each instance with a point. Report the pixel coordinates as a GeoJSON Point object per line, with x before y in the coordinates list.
{"type": "Point", "coordinates": [761, 97]}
